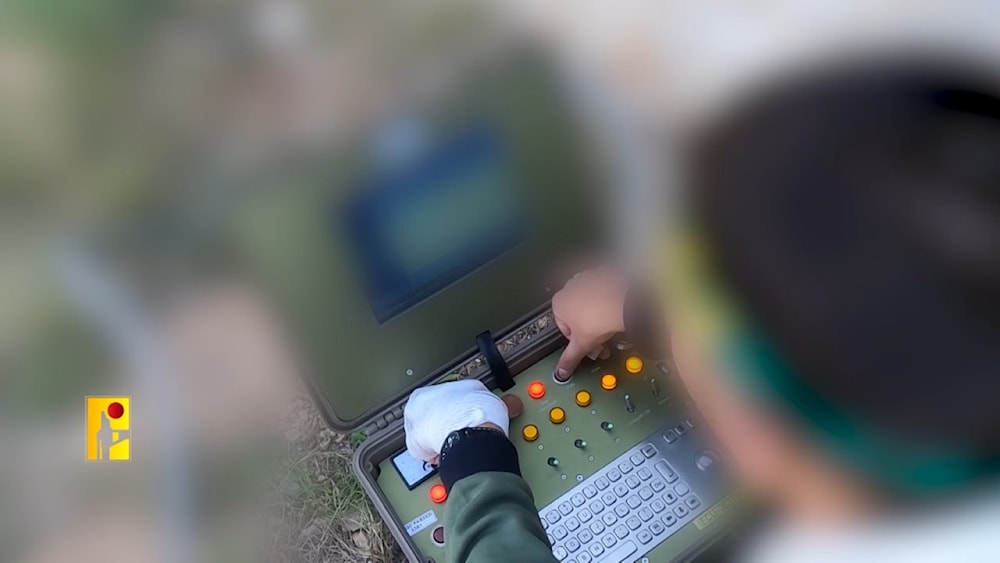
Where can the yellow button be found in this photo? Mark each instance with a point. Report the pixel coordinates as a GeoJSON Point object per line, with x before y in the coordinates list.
{"type": "Point", "coordinates": [530, 432]}
{"type": "Point", "coordinates": [609, 381]}
{"type": "Point", "coordinates": [583, 398]}
{"type": "Point", "coordinates": [557, 415]}
{"type": "Point", "coordinates": [633, 364]}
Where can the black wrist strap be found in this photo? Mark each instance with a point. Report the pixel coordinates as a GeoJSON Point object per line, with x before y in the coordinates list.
{"type": "Point", "coordinates": [475, 450]}
{"type": "Point", "coordinates": [498, 366]}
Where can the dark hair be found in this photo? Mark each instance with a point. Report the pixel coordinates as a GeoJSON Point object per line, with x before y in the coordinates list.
{"type": "Point", "coordinates": [855, 213]}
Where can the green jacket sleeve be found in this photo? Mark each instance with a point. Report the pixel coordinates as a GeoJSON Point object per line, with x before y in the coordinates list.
{"type": "Point", "coordinates": [491, 517]}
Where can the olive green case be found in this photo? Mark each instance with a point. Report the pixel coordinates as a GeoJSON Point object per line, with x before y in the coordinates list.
{"type": "Point", "coordinates": [360, 371]}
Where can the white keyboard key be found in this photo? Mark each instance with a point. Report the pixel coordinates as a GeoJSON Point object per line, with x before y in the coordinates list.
{"type": "Point", "coordinates": [622, 552]}
{"type": "Point", "coordinates": [572, 545]}
{"type": "Point", "coordinates": [666, 471]}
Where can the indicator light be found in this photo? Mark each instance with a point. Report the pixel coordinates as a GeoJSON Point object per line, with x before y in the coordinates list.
{"type": "Point", "coordinates": [557, 415]}
{"type": "Point", "coordinates": [438, 493]}
{"type": "Point", "coordinates": [530, 432]}
{"type": "Point", "coordinates": [633, 364]}
{"type": "Point", "coordinates": [609, 382]}
{"type": "Point", "coordinates": [536, 389]}
{"type": "Point", "coordinates": [583, 398]}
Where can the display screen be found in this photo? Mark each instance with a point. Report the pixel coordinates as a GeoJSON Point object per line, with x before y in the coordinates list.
{"type": "Point", "coordinates": [417, 228]}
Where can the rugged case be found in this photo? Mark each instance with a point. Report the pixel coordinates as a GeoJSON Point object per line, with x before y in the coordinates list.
{"type": "Point", "coordinates": [388, 437]}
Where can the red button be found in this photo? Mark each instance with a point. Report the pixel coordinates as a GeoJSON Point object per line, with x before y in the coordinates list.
{"type": "Point", "coordinates": [438, 494]}
{"type": "Point", "coordinates": [536, 389]}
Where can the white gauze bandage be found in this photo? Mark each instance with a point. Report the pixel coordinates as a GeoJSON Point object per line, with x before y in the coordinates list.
{"type": "Point", "coordinates": [435, 411]}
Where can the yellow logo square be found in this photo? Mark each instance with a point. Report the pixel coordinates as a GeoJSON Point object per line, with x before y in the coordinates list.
{"type": "Point", "coordinates": [108, 429]}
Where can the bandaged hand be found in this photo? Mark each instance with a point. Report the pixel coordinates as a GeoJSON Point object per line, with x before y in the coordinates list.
{"type": "Point", "coordinates": [435, 411]}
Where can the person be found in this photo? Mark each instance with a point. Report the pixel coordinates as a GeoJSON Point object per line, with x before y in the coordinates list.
{"type": "Point", "coordinates": [832, 307]}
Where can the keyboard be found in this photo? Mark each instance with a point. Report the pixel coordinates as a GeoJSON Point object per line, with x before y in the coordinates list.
{"type": "Point", "coordinates": [634, 503]}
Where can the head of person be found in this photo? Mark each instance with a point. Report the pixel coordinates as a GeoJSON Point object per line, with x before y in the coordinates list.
{"type": "Point", "coordinates": [847, 233]}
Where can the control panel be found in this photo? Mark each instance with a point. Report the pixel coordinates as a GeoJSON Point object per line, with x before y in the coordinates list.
{"type": "Point", "coordinates": [614, 458]}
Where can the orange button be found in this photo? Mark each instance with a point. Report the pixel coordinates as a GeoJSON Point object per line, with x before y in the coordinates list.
{"type": "Point", "coordinates": [536, 389]}
{"type": "Point", "coordinates": [609, 381]}
{"type": "Point", "coordinates": [583, 398]}
{"type": "Point", "coordinates": [529, 432]}
{"type": "Point", "coordinates": [557, 415]}
{"type": "Point", "coordinates": [633, 364]}
{"type": "Point", "coordinates": [438, 493]}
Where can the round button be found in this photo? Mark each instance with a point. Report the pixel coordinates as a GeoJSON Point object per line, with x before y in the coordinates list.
{"type": "Point", "coordinates": [583, 398]}
{"type": "Point", "coordinates": [609, 381]}
{"type": "Point", "coordinates": [437, 536]}
{"type": "Point", "coordinates": [557, 415]}
{"type": "Point", "coordinates": [438, 493]}
{"type": "Point", "coordinates": [706, 460]}
{"type": "Point", "coordinates": [536, 389]}
{"type": "Point", "coordinates": [633, 364]}
{"type": "Point", "coordinates": [514, 405]}
{"type": "Point", "coordinates": [529, 432]}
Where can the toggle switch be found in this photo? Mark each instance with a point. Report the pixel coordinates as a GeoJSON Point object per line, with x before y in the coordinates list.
{"type": "Point", "coordinates": [553, 462]}
{"type": "Point", "coordinates": [580, 443]}
{"type": "Point", "coordinates": [607, 426]}
{"type": "Point", "coordinates": [629, 405]}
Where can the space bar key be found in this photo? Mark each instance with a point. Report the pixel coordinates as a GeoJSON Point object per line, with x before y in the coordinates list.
{"type": "Point", "coordinates": [621, 553]}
